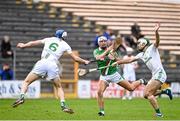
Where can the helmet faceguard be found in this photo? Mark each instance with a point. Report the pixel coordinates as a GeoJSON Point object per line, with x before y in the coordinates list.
{"type": "Point", "coordinates": [102, 39]}
{"type": "Point", "coordinates": [142, 43]}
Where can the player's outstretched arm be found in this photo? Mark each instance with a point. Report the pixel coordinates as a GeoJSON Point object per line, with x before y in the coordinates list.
{"type": "Point", "coordinates": [29, 44]}
{"type": "Point", "coordinates": [157, 34]}
{"type": "Point", "coordinates": [78, 59]}
{"type": "Point", "coordinates": [110, 49]}
{"type": "Point", "coordinates": [125, 61]}
{"type": "Point", "coordinates": [102, 56]}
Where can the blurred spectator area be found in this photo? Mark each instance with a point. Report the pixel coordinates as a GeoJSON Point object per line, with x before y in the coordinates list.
{"type": "Point", "coordinates": [25, 20]}
{"type": "Point", "coordinates": [122, 14]}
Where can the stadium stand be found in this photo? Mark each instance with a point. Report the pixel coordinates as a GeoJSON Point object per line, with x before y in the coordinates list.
{"type": "Point", "coordinates": [121, 14]}
{"type": "Point", "coordinates": [29, 21]}
{"type": "Point", "coordinates": [22, 23]}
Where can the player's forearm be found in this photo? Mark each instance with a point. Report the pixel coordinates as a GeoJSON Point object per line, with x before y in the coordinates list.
{"type": "Point", "coordinates": [104, 53]}
{"type": "Point", "coordinates": [29, 44]}
{"type": "Point", "coordinates": [80, 60]}
{"type": "Point", "coordinates": [157, 34]}
{"type": "Point", "coordinates": [109, 49]}
{"type": "Point", "coordinates": [157, 38]}
{"type": "Point", "coordinates": [124, 61]}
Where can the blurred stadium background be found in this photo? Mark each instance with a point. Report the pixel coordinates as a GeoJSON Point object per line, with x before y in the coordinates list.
{"type": "Point", "coordinates": [25, 20]}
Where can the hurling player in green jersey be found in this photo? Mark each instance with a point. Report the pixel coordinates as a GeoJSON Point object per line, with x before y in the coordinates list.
{"type": "Point", "coordinates": [104, 57]}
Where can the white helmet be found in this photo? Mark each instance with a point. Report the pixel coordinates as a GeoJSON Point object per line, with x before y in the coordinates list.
{"type": "Point", "coordinates": [142, 42]}
{"type": "Point", "coordinates": [102, 38]}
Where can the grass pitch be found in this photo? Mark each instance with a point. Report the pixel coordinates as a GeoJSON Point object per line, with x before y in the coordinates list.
{"type": "Point", "coordinates": [86, 109]}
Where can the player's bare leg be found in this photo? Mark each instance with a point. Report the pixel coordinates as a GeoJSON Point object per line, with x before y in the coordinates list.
{"type": "Point", "coordinates": [102, 85]}
{"type": "Point", "coordinates": [130, 86]}
{"type": "Point", "coordinates": [31, 77]}
{"type": "Point", "coordinates": [124, 94]}
{"type": "Point", "coordinates": [149, 92]}
{"type": "Point", "coordinates": [127, 95]}
{"type": "Point", "coordinates": [130, 95]}
{"type": "Point", "coordinates": [60, 94]}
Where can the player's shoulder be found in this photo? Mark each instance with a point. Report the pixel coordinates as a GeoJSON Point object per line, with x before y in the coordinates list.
{"type": "Point", "coordinates": [139, 55]}
{"type": "Point", "coordinates": [49, 39]}
{"type": "Point", "coordinates": [64, 43]}
{"type": "Point", "coordinates": [52, 37]}
{"type": "Point", "coordinates": [96, 50]}
{"type": "Point", "coordinates": [151, 45]}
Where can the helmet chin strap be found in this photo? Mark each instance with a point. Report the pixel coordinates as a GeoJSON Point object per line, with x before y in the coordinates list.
{"type": "Point", "coordinates": [63, 38]}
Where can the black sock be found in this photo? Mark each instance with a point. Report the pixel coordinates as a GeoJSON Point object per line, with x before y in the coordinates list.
{"type": "Point", "coordinates": [163, 91]}
{"type": "Point", "coordinates": [158, 110]}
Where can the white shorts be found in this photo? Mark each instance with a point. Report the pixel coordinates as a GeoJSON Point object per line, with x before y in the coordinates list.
{"type": "Point", "coordinates": [60, 68]}
{"type": "Point", "coordinates": [46, 68]}
{"type": "Point", "coordinates": [160, 75]}
{"type": "Point", "coordinates": [114, 78]}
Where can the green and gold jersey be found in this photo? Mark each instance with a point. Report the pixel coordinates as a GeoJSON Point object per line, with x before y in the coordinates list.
{"type": "Point", "coordinates": [105, 62]}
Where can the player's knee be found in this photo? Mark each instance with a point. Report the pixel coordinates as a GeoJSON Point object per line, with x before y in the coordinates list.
{"type": "Point", "coordinates": [100, 94]}
{"type": "Point", "coordinates": [146, 95]}
{"type": "Point", "coordinates": [27, 81]}
{"type": "Point", "coordinates": [131, 89]}
{"type": "Point", "coordinates": [58, 85]}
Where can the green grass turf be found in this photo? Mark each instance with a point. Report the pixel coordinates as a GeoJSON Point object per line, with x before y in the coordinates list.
{"type": "Point", "coordinates": [86, 109]}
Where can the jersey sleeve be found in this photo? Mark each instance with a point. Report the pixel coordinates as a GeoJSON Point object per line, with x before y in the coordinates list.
{"type": "Point", "coordinates": [138, 56]}
{"type": "Point", "coordinates": [68, 49]}
{"type": "Point", "coordinates": [153, 47]}
{"type": "Point", "coordinates": [95, 53]}
{"type": "Point", "coordinates": [44, 40]}
{"type": "Point", "coordinates": [135, 62]}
